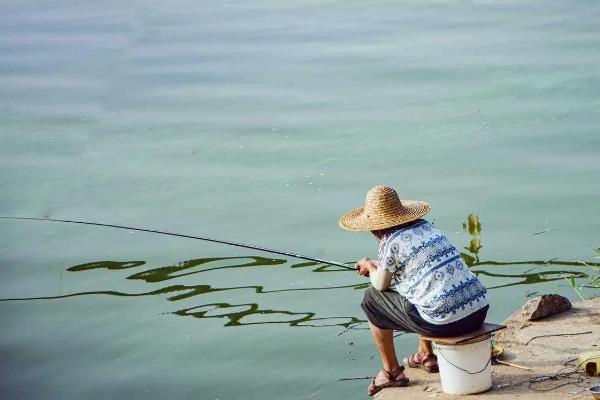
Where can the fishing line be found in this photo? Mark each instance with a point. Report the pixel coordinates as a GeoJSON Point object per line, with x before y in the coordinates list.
{"type": "Point", "coordinates": [237, 244]}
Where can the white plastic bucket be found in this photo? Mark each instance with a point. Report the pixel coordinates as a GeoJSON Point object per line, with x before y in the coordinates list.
{"type": "Point", "coordinates": [465, 368]}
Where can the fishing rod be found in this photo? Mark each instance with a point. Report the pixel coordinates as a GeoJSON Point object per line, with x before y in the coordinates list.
{"type": "Point", "coordinates": [237, 244]}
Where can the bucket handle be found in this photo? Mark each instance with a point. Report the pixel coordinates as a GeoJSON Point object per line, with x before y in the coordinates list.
{"type": "Point", "coordinates": [462, 369]}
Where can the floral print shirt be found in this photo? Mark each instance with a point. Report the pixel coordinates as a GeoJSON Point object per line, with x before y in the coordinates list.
{"type": "Point", "coordinates": [429, 271]}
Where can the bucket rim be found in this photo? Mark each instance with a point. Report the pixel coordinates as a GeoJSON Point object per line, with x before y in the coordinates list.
{"type": "Point", "coordinates": [476, 339]}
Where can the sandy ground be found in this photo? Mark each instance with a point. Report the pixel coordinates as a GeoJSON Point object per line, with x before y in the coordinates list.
{"type": "Point", "coordinates": [545, 355]}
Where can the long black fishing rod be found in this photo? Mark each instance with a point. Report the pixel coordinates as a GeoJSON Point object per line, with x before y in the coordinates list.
{"type": "Point", "coordinates": [247, 246]}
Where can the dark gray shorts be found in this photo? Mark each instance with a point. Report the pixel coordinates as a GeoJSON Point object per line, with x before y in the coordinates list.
{"type": "Point", "coordinates": [390, 310]}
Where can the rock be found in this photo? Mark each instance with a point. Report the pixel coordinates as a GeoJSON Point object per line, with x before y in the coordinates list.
{"type": "Point", "coordinates": [545, 305]}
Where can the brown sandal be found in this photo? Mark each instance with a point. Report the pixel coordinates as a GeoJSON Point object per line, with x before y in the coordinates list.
{"type": "Point", "coordinates": [392, 380]}
{"type": "Point", "coordinates": [418, 361]}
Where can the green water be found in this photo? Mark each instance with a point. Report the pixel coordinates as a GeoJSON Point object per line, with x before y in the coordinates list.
{"type": "Point", "coordinates": [262, 122]}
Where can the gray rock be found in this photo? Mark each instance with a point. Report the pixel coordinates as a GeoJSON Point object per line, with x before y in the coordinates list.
{"type": "Point", "coordinates": [545, 305]}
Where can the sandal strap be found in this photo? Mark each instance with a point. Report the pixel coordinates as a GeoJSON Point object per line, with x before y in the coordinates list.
{"type": "Point", "coordinates": [430, 357]}
{"type": "Point", "coordinates": [419, 359]}
{"type": "Point", "coordinates": [416, 358]}
{"type": "Point", "coordinates": [392, 375]}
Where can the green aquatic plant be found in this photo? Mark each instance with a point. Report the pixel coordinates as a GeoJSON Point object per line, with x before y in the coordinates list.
{"type": "Point", "coordinates": [473, 227]}
{"type": "Point", "coordinates": [596, 280]}
{"type": "Point", "coordinates": [592, 275]}
{"type": "Point", "coordinates": [576, 288]}
{"type": "Point", "coordinates": [595, 272]}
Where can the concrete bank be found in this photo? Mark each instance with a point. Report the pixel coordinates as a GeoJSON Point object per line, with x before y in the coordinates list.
{"type": "Point", "coordinates": [527, 343]}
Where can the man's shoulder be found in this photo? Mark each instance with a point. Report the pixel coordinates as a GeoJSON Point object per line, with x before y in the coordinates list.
{"type": "Point", "coordinates": [405, 240]}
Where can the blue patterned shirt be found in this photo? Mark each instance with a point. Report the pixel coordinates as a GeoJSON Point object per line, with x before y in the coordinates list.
{"type": "Point", "coordinates": [429, 271]}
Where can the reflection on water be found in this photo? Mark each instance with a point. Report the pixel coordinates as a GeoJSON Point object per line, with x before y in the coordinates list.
{"type": "Point", "coordinates": [532, 278]}
{"type": "Point", "coordinates": [247, 311]}
{"type": "Point", "coordinates": [235, 314]}
{"type": "Point", "coordinates": [473, 227]}
{"type": "Point", "coordinates": [253, 314]}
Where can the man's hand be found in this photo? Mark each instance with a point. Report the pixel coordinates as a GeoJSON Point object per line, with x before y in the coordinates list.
{"type": "Point", "coordinates": [365, 266]}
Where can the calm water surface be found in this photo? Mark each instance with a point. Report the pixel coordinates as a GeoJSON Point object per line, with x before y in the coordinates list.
{"type": "Point", "coordinates": [262, 122]}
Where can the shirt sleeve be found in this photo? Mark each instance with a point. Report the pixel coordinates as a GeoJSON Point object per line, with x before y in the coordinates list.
{"type": "Point", "coordinates": [380, 280]}
{"type": "Point", "coordinates": [388, 259]}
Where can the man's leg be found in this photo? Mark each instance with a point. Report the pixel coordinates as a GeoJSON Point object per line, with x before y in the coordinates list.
{"type": "Point", "coordinates": [425, 348]}
{"type": "Point", "coordinates": [426, 352]}
{"type": "Point", "coordinates": [384, 340]}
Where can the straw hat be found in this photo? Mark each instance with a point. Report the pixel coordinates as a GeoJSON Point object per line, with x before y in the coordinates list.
{"type": "Point", "coordinates": [383, 209]}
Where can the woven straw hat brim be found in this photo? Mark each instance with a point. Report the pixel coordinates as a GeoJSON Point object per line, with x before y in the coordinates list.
{"type": "Point", "coordinates": [357, 221]}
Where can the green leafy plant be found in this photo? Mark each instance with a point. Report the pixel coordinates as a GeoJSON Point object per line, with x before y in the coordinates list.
{"type": "Point", "coordinates": [576, 287]}
{"type": "Point", "coordinates": [593, 276]}
{"type": "Point", "coordinates": [585, 281]}
{"type": "Point", "coordinates": [473, 227]}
